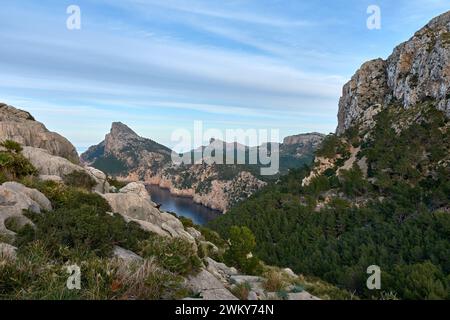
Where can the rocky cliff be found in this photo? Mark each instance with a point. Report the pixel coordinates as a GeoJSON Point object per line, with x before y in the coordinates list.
{"type": "Point", "coordinates": [130, 157]}
{"type": "Point", "coordinates": [20, 126]}
{"type": "Point", "coordinates": [417, 71]}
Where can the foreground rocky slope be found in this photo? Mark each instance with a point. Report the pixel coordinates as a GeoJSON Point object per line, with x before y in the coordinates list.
{"type": "Point", "coordinates": [57, 213]}
{"type": "Point", "coordinates": [132, 158]}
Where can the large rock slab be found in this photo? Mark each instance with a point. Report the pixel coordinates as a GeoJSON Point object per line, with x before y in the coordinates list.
{"type": "Point", "coordinates": [50, 167]}
{"type": "Point", "coordinates": [126, 255]}
{"type": "Point", "coordinates": [209, 287]}
{"type": "Point", "coordinates": [135, 205]}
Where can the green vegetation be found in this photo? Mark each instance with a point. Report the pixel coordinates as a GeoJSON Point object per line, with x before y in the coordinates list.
{"type": "Point", "coordinates": [113, 182]}
{"type": "Point", "coordinates": [79, 179]}
{"type": "Point", "coordinates": [110, 164]}
{"type": "Point", "coordinates": [400, 223]}
{"type": "Point", "coordinates": [13, 165]}
{"type": "Point", "coordinates": [241, 244]}
{"type": "Point", "coordinates": [81, 231]}
{"type": "Point", "coordinates": [175, 255]}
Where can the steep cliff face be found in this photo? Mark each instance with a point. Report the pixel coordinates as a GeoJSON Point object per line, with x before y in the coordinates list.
{"type": "Point", "coordinates": [20, 126]}
{"type": "Point", "coordinates": [418, 70]}
{"type": "Point", "coordinates": [128, 156]}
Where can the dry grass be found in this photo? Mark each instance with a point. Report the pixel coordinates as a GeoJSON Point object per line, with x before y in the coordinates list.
{"type": "Point", "coordinates": [241, 291]}
{"type": "Point", "coordinates": [274, 281]}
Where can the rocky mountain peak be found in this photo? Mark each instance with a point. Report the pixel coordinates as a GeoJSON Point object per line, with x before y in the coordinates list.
{"type": "Point", "coordinates": [119, 129]}
{"type": "Point", "coordinates": [9, 113]}
{"type": "Point", "coordinates": [418, 70]}
{"type": "Point", "coordinates": [20, 126]}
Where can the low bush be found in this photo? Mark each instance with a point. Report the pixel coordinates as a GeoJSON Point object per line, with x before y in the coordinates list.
{"type": "Point", "coordinates": [82, 229]}
{"type": "Point", "coordinates": [175, 255]}
{"type": "Point", "coordinates": [274, 281]}
{"type": "Point", "coordinates": [79, 179]}
{"type": "Point", "coordinates": [14, 166]}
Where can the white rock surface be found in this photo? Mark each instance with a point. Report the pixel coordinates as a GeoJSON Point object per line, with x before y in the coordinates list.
{"type": "Point", "coordinates": [132, 203]}
{"type": "Point", "coordinates": [209, 287]}
{"type": "Point", "coordinates": [14, 199]}
{"type": "Point", "coordinates": [126, 255]}
{"type": "Point", "coordinates": [50, 167]}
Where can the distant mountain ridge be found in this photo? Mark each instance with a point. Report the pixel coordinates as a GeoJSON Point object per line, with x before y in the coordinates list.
{"type": "Point", "coordinates": [128, 156]}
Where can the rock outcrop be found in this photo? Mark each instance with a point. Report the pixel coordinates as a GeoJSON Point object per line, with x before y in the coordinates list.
{"type": "Point", "coordinates": [54, 168]}
{"type": "Point", "coordinates": [418, 70]}
{"type": "Point", "coordinates": [14, 199]}
{"type": "Point", "coordinates": [307, 139]}
{"type": "Point", "coordinates": [135, 205]}
{"type": "Point", "coordinates": [20, 126]}
{"type": "Point", "coordinates": [209, 287]}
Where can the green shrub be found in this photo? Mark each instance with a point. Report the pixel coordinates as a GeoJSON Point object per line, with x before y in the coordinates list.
{"type": "Point", "coordinates": [239, 254]}
{"type": "Point", "coordinates": [79, 179]}
{"type": "Point", "coordinates": [82, 229]}
{"type": "Point", "coordinates": [14, 166]}
{"type": "Point", "coordinates": [175, 255]}
{"type": "Point", "coordinates": [11, 146]}
{"type": "Point", "coordinates": [116, 183]}
{"type": "Point", "coordinates": [62, 196]}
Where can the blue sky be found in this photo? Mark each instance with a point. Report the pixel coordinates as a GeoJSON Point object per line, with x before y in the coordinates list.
{"type": "Point", "coordinates": [159, 65]}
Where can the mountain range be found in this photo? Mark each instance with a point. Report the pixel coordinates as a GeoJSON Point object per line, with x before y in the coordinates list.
{"type": "Point", "coordinates": [127, 156]}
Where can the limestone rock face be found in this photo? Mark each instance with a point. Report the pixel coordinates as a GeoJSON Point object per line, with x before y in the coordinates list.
{"type": "Point", "coordinates": [14, 199]}
{"type": "Point", "coordinates": [136, 206]}
{"type": "Point", "coordinates": [20, 126]}
{"type": "Point", "coordinates": [51, 167]}
{"type": "Point", "coordinates": [310, 138]}
{"type": "Point", "coordinates": [33, 194]}
{"type": "Point", "coordinates": [209, 287]}
{"type": "Point", "coordinates": [417, 70]}
{"type": "Point", "coordinates": [102, 185]}
{"type": "Point", "coordinates": [136, 188]}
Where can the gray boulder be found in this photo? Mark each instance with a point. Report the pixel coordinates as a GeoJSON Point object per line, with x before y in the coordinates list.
{"type": "Point", "coordinates": [50, 167]}
{"type": "Point", "coordinates": [209, 287]}
{"type": "Point", "coordinates": [14, 199]}
{"type": "Point", "coordinates": [134, 205]}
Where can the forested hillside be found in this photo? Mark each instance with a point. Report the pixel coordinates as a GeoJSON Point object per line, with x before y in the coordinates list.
{"type": "Point", "coordinates": [390, 208]}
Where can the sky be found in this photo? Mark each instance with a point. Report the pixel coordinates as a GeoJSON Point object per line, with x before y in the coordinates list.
{"type": "Point", "coordinates": [160, 65]}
